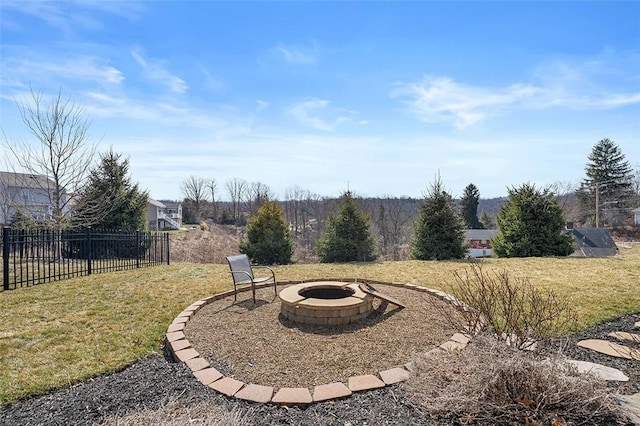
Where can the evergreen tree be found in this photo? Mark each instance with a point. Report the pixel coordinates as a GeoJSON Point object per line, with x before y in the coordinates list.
{"type": "Point", "coordinates": [110, 200]}
{"type": "Point", "coordinates": [469, 207]}
{"type": "Point", "coordinates": [268, 239]}
{"type": "Point", "coordinates": [22, 220]}
{"type": "Point", "coordinates": [531, 224]}
{"type": "Point", "coordinates": [438, 230]}
{"type": "Point", "coordinates": [488, 221]}
{"type": "Point", "coordinates": [609, 175]}
{"type": "Point", "coordinates": [347, 236]}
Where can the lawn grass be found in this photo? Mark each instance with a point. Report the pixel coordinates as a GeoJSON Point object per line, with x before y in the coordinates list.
{"type": "Point", "coordinates": [59, 333]}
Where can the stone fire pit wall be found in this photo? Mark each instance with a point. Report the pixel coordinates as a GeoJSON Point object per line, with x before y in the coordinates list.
{"type": "Point", "coordinates": [325, 311]}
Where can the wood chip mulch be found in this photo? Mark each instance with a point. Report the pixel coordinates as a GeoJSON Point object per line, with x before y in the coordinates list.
{"type": "Point", "coordinates": [255, 344]}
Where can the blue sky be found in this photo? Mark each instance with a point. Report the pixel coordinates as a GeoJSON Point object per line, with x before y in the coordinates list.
{"type": "Point", "coordinates": [375, 96]}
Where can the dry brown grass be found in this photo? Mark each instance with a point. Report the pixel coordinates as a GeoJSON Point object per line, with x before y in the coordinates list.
{"type": "Point", "coordinates": [179, 412]}
{"type": "Point", "coordinates": [252, 343]}
{"type": "Point", "coordinates": [491, 382]}
{"type": "Point", "coordinates": [205, 244]}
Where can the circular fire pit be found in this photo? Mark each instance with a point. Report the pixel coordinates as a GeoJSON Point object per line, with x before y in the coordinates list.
{"type": "Point", "coordinates": [325, 303]}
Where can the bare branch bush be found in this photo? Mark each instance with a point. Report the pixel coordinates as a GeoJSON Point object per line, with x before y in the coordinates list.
{"type": "Point", "coordinates": [513, 309]}
{"type": "Point", "coordinates": [492, 382]}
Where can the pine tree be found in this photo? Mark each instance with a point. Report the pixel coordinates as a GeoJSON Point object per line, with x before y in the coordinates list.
{"type": "Point", "coordinates": [347, 236]}
{"type": "Point", "coordinates": [438, 231]}
{"type": "Point", "coordinates": [268, 239]}
{"type": "Point", "coordinates": [531, 224]}
{"type": "Point", "coordinates": [469, 207]}
{"type": "Point", "coordinates": [488, 221]}
{"type": "Point", "coordinates": [110, 200]}
{"type": "Point", "coordinates": [609, 175]}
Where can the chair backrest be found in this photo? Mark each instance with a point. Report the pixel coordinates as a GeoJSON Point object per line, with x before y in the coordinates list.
{"type": "Point", "coordinates": [240, 263]}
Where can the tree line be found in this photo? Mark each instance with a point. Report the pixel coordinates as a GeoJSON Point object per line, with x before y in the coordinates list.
{"type": "Point", "coordinates": [84, 192]}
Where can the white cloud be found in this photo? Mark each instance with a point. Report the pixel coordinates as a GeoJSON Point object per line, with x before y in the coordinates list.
{"type": "Point", "coordinates": [70, 16]}
{"type": "Point", "coordinates": [155, 71]}
{"type": "Point", "coordinates": [317, 114]}
{"type": "Point", "coordinates": [86, 68]}
{"type": "Point", "coordinates": [261, 105]}
{"type": "Point", "coordinates": [297, 55]}
{"type": "Point", "coordinates": [436, 99]}
{"type": "Point", "coordinates": [585, 86]}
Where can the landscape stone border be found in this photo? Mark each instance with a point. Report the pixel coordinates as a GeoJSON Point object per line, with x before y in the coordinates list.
{"type": "Point", "coordinates": [182, 351]}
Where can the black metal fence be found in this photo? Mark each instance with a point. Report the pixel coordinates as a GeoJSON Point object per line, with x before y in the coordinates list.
{"type": "Point", "coordinates": [31, 257]}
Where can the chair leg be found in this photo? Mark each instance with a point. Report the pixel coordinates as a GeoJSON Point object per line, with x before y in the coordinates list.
{"type": "Point", "coordinates": [235, 292]}
{"type": "Point", "coordinates": [253, 290]}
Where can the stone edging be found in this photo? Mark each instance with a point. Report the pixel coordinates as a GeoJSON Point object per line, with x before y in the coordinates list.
{"type": "Point", "coordinates": [182, 351]}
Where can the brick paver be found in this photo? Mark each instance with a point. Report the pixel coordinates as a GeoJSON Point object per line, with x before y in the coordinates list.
{"type": "Point", "coordinates": [177, 345]}
{"type": "Point", "coordinates": [197, 364]}
{"type": "Point", "coordinates": [394, 375]}
{"type": "Point", "coordinates": [292, 396]}
{"type": "Point", "coordinates": [227, 386]}
{"type": "Point", "coordinates": [207, 375]}
{"type": "Point", "coordinates": [176, 335]}
{"type": "Point", "coordinates": [330, 391]}
{"type": "Point", "coordinates": [179, 326]}
{"type": "Point", "coordinates": [186, 354]}
{"type": "Point", "coordinates": [255, 393]}
{"type": "Point", "coordinates": [365, 382]}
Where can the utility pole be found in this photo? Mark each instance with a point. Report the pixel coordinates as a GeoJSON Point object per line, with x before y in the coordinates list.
{"type": "Point", "coordinates": [597, 204]}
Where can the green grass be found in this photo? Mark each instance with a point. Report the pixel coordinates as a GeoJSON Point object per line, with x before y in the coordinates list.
{"type": "Point", "coordinates": [59, 333]}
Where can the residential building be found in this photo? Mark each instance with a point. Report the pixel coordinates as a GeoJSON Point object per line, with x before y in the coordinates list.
{"type": "Point", "coordinates": [479, 241]}
{"type": "Point", "coordinates": [162, 216]}
{"type": "Point", "coordinates": [30, 194]}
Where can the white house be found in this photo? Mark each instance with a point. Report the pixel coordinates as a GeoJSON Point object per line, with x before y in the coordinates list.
{"type": "Point", "coordinates": [161, 216]}
{"type": "Point", "coordinates": [636, 216]}
{"type": "Point", "coordinates": [479, 241]}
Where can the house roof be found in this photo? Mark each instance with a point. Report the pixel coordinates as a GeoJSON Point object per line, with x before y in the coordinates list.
{"type": "Point", "coordinates": [636, 210]}
{"type": "Point", "coordinates": [24, 180]}
{"type": "Point", "coordinates": [156, 203]}
{"type": "Point", "coordinates": [593, 242]}
{"type": "Point", "coordinates": [480, 234]}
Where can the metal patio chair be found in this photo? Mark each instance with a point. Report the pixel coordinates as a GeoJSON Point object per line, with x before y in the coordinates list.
{"type": "Point", "coordinates": [242, 274]}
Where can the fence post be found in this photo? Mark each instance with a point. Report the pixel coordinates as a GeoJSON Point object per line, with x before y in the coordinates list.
{"type": "Point", "coordinates": [137, 249]}
{"type": "Point", "coordinates": [167, 235]}
{"type": "Point", "coordinates": [89, 251]}
{"type": "Point", "coordinates": [5, 258]}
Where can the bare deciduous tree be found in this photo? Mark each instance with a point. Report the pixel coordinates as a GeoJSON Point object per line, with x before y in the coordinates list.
{"type": "Point", "coordinates": [236, 188]}
{"type": "Point", "coordinates": [193, 189]}
{"type": "Point", "coordinates": [212, 186]}
{"type": "Point", "coordinates": [61, 158]}
{"type": "Point", "coordinates": [256, 193]}
{"type": "Point", "coordinates": [392, 219]}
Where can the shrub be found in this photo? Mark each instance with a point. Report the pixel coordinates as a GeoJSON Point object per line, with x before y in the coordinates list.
{"type": "Point", "coordinates": [438, 230]}
{"type": "Point", "coordinates": [347, 237]}
{"type": "Point", "coordinates": [512, 309]}
{"type": "Point", "coordinates": [531, 224]}
{"type": "Point", "coordinates": [491, 383]}
{"type": "Point", "coordinates": [268, 239]}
